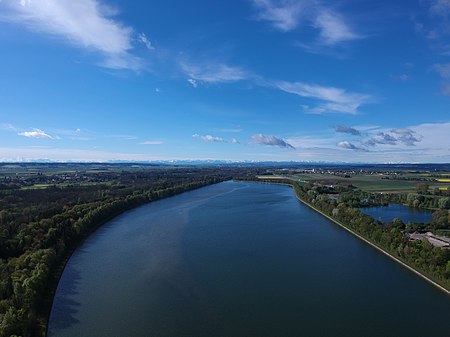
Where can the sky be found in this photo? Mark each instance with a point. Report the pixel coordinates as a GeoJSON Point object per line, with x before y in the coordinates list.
{"type": "Point", "coordinates": [358, 81]}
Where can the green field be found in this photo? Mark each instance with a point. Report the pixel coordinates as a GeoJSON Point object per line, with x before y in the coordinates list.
{"type": "Point", "coordinates": [375, 183]}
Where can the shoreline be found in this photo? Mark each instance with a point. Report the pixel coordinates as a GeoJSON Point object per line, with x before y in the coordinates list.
{"type": "Point", "coordinates": [415, 271]}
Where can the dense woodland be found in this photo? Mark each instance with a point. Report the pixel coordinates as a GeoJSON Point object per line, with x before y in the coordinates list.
{"type": "Point", "coordinates": [423, 198]}
{"type": "Point", "coordinates": [40, 227]}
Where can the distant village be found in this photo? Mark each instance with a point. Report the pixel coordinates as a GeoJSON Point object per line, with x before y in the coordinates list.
{"type": "Point", "coordinates": [39, 178]}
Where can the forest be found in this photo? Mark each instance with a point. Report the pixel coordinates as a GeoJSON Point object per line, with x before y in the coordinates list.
{"type": "Point", "coordinates": [45, 214]}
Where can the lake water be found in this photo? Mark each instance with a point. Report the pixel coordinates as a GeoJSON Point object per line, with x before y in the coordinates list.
{"type": "Point", "coordinates": [238, 259]}
{"type": "Point", "coordinates": [405, 213]}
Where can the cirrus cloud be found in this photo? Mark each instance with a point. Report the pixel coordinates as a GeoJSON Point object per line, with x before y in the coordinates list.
{"type": "Point", "coordinates": [284, 16]}
{"type": "Point", "coordinates": [288, 15]}
{"type": "Point", "coordinates": [145, 41]}
{"type": "Point", "coordinates": [212, 72]}
{"type": "Point", "coordinates": [333, 28]}
{"type": "Point", "coordinates": [333, 100]}
{"type": "Point", "coordinates": [83, 23]}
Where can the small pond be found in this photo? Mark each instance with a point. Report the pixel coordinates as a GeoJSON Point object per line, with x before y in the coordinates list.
{"type": "Point", "coordinates": [405, 213]}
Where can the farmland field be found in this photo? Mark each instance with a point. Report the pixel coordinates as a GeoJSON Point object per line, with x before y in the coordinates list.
{"type": "Point", "coordinates": [377, 183]}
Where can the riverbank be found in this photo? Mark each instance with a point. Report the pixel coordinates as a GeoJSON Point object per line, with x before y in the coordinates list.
{"type": "Point", "coordinates": [374, 245]}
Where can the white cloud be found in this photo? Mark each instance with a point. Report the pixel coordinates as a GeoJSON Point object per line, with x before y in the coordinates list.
{"type": "Point", "coordinates": [234, 141]}
{"type": "Point", "coordinates": [84, 23]}
{"type": "Point", "coordinates": [212, 73]}
{"type": "Point", "coordinates": [434, 135]}
{"type": "Point", "coordinates": [381, 138]}
{"type": "Point", "coordinates": [443, 70]}
{"type": "Point", "coordinates": [432, 145]}
{"type": "Point", "coordinates": [394, 137]}
{"type": "Point", "coordinates": [152, 142]}
{"type": "Point", "coordinates": [407, 136]}
{"type": "Point", "coordinates": [270, 140]}
{"type": "Point", "coordinates": [209, 138]}
{"type": "Point", "coordinates": [335, 100]}
{"type": "Point", "coordinates": [284, 15]}
{"type": "Point", "coordinates": [54, 133]}
{"type": "Point", "coordinates": [36, 133]}
{"type": "Point", "coordinates": [288, 15]}
{"type": "Point", "coordinates": [145, 41]}
{"type": "Point", "coordinates": [440, 7]}
{"type": "Point", "coordinates": [8, 127]}
{"type": "Point", "coordinates": [347, 129]}
{"type": "Point", "coordinates": [350, 146]}
{"type": "Point", "coordinates": [413, 142]}
{"type": "Point", "coordinates": [193, 82]}
{"type": "Point", "coordinates": [420, 143]}
{"type": "Point", "coordinates": [333, 28]}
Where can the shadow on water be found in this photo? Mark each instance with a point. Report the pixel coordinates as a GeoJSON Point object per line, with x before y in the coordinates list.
{"type": "Point", "coordinates": [65, 307]}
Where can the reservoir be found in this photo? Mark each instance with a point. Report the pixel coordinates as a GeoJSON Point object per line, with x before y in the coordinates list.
{"type": "Point", "coordinates": [405, 213]}
{"type": "Point", "coordinates": [238, 259]}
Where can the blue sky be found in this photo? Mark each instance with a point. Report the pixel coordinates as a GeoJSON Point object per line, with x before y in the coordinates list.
{"type": "Point", "coordinates": [259, 80]}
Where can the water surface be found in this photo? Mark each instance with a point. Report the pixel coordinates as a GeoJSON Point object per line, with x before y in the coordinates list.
{"type": "Point", "coordinates": [405, 213]}
{"type": "Point", "coordinates": [238, 259]}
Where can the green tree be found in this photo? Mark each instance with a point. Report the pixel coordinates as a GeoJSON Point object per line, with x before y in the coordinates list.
{"type": "Point", "coordinates": [444, 203]}
{"type": "Point", "coordinates": [422, 188]}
